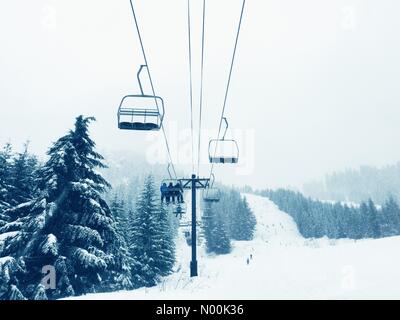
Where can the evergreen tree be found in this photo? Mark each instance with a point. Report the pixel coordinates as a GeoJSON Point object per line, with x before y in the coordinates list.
{"type": "Point", "coordinates": [244, 221]}
{"type": "Point", "coordinates": [122, 217]}
{"type": "Point", "coordinates": [208, 227]}
{"type": "Point", "coordinates": [229, 218]}
{"type": "Point", "coordinates": [236, 215]}
{"type": "Point", "coordinates": [3, 218]}
{"type": "Point", "coordinates": [69, 225]}
{"type": "Point", "coordinates": [167, 243]}
{"type": "Point", "coordinates": [5, 181]}
{"type": "Point", "coordinates": [40, 293]}
{"type": "Point", "coordinates": [151, 242]}
{"type": "Point", "coordinates": [222, 243]}
{"type": "Point", "coordinates": [371, 220]}
{"type": "Point", "coordinates": [17, 181]}
{"type": "Point", "coordinates": [10, 270]}
{"type": "Point", "coordinates": [24, 176]}
{"type": "Point", "coordinates": [215, 230]}
{"type": "Point", "coordinates": [390, 221]}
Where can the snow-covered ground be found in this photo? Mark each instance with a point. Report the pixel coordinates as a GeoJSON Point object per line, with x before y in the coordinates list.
{"type": "Point", "coordinates": [284, 266]}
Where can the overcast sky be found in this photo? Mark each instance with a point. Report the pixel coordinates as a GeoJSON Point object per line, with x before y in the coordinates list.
{"type": "Point", "coordinates": [315, 86]}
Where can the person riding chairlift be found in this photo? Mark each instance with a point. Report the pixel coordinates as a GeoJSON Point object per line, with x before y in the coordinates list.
{"type": "Point", "coordinates": [164, 193]}
{"type": "Point", "coordinates": [179, 212]}
{"type": "Point", "coordinates": [171, 193]}
{"type": "Point", "coordinates": [179, 192]}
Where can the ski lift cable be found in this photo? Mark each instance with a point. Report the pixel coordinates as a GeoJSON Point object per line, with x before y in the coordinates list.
{"type": "Point", "coordinates": [151, 84]}
{"type": "Point", "coordinates": [190, 80]}
{"type": "Point", "coordinates": [229, 81]}
{"type": "Point", "coordinates": [201, 86]}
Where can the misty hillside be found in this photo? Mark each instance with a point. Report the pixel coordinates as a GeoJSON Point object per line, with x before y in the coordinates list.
{"type": "Point", "coordinates": [127, 170]}
{"type": "Point", "coordinates": [357, 185]}
{"type": "Point", "coordinates": [123, 166]}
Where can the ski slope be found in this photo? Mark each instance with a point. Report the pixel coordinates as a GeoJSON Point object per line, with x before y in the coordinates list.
{"type": "Point", "coordinates": [284, 266]}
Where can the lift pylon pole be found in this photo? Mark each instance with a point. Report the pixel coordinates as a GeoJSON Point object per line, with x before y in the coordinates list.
{"type": "Point", "coordinates": [193, 263]}
{"type": "Point", "coordinates": [194, 183]}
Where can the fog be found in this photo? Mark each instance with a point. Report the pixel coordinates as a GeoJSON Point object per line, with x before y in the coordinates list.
{"type": "Point", "coordinates": [315, 86]}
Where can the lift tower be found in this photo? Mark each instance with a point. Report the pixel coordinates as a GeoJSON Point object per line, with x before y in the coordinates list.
{"type": "Point", "coordinates": [194, 183]}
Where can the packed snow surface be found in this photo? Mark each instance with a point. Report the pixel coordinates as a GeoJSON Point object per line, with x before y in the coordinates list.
{"type": "Point", "coordinates": [284, 266]}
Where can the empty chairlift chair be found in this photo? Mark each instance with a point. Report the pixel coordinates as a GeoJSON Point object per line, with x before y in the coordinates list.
{"type": "Point", "coordinates": [141, 112]}
{"type": "Point", "coordinates": [211, 194]}
{"type": "Point", "coordinates": [223, 150]}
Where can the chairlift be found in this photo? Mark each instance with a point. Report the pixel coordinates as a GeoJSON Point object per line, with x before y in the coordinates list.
{"type": "Point", "coordinates": [223, 150]}
{"type": "Point", "coordinates": [211, 194]}
{"type": "Point", "coordinates": [179, 210]}
{"type": "Point", "coordinates": [172, 190]}
{"type": "Point", "coordinates": [140, 111]}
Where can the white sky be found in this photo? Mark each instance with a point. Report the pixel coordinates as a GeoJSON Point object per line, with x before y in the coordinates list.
{"type": "Point", "coordinates": [316, 82]}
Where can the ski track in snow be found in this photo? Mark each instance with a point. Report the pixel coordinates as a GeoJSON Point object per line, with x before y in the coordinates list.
{"type": "Point", "coordinates": [284, 266]}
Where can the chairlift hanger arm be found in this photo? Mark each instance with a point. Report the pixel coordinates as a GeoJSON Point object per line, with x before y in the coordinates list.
{"type": "Point", "coordinates": [169, 171]}
{"type": "Point", "coordinates": [138, 78]}
{"type": "Point", "coordinates": [149, 96]}
{"type": "Point", "coordinates": [226, 128]}
{"type": "Point", "coordinates": [213, 180]}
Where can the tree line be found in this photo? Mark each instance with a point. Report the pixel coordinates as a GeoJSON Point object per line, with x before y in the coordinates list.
{"type": "Point", "coordinates": [55, 214]}
{"type": "Point", "coordinates": [229, 219]}
{"type": "Point", "coordinates": [316, 219]}
{"type": "Point", "coordinates": [358, 184]}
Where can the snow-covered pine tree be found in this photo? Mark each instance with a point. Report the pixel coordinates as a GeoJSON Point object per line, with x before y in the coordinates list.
{"type": "Point", "coordinates": [122, 217]}
{"type": "Point", "coordinates": [390, 218]}
{"type": "Point", "coordinates": [371, 219]}
{"type": "Point", "coordinates": [242, 221]}
{"type": "Point", "coordinates": [234, 211]}
{"type": "Point", "coordinates": [208, 226]}
{"type": "Point", "coordinates": [17, 182]}
{"type": "Point", "coordinates": [40, 293]}
{"type": "Point", "coordinates": [3, 217]}
{"type": "Point", "coordinates": [69, 226]}
{"type": "Point", "coordinates": [5, 181]}
{"type": "Point", "coordinates": [222, 242]}
{"type": "Point", "coordinates": [215, 230]}
{"type": "Point", "coordinates": [24, 176]}
{"type": "Point", "coordinates": [10, 271]}
{"type": "Point", "coordinates": [151, 245]}
{"type": "Point", "coordinates": [167, 243]}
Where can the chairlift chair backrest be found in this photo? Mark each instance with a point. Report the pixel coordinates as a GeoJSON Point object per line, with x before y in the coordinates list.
{"type": "Point", "coordinates": [223, 150]}
{"type": "Point", "coordinates": [211, 195]}
{"type": "Point", "coordinates": [140, 111]}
